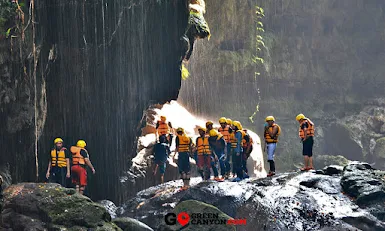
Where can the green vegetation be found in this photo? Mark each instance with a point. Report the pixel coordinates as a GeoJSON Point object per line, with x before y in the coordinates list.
{"type": "Point", "coordinates": [9, 11]}
{"type": "Point", "coordinates": [259, 47]}
{"type": "Point", "coordinates": [185, 72]}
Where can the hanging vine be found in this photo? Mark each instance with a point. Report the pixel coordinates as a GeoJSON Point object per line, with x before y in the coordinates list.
{"type": "Point", "coordinates": [257, 57]}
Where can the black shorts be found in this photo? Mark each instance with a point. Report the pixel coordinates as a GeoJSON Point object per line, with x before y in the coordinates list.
{"type": "Point", "coordinates": [184, 162]}
{"type": "Point", "coordinates": [308, 147]}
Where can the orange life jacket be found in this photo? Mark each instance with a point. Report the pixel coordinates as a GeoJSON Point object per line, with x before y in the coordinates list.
{"type": "Point", "coordinates": [234, 140]}
{"type": "Point", "coordinates": [58, 158]}
{"type": "Point", "coordinates": [184, 143]}
{"type": "Point", "coordinates": [267, 136]}
{"type": "Point", "coordinates": [225, 132]}
{"type": "Point", "coordinates": [246, 144]}
{"type": "Point", "coordinates": [203, 146]}
{"type": "Point", "coordinates": [163, 128]}
{"type": "Point", "coordinates": [77, 158]}
{"type": "Point", "coordinates": [309, 131]}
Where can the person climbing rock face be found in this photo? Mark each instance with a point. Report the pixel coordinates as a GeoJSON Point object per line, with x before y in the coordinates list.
{"type": "Point", "coordinates": [58, 164]}
{"type": "Point", "coordinates": [80, 160]}
{"type": "Point", "coordinates": [218, 146]}
{"type": "Point", "coordinates": [204, 154]}
{"type": "Point", "coordinates": [164, 128]}
{"type": "Point", "coordinates": [306, 133]}
{"type": "Point", "coordinates": [183, 146]}
{"type": "Point", "coordinates": [161, 153]}
{"type": "Point", "coordinates": [271, 134]}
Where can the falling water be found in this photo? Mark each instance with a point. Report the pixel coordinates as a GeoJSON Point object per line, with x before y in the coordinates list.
{"type": "Point", "coordinates": [179, 116]}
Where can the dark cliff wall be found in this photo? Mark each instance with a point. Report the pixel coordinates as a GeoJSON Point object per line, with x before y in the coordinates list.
{"type": "Point", "coordinates": [324, 59]}
{"type": "Point", "coordinates": [103, 62]}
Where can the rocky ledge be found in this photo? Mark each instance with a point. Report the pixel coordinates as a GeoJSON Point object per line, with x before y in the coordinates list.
{"type": "Point", "coordinates": [40, 207]}
{"type": "Point", "coordinates": [335, 198]}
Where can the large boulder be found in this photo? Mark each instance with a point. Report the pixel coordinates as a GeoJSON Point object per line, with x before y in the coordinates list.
{"type": "Point", "coordinates": [31, 206]}
{"type": "Point", "coordinates": [201, 208]}
{"type": "Point", "coordinates": [290, 201]}
{"type": "Point", "coordinates": [128, 224]}
{"type": "Point", "coordinates": [363, 183]}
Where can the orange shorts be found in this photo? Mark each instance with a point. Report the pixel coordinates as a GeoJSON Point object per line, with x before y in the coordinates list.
{"type": "Point", "coordinates": [79, 175]}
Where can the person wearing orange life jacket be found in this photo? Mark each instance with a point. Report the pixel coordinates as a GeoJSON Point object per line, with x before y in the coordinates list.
{"type": "Point", "coordinates": [80, 159]}
{"type": "Point", "coordinates": [271, 134]}
{"type": "Point", "coordinates": [226, 131]}
{"type": "Point", "coordinates": [204, 152]}
{"type": "Point", "coordinates": [306, 133]}
{"type": "Point", "coordinates": [164, 128]}
{"type": "Point", "coordinates": [183, 146]}
{"type": "Point", "coordinates": [59, 164]}
{"type": "Point", "coordinates": [247, 145]}
{"type": "Point", "coordinates": [237, 150]}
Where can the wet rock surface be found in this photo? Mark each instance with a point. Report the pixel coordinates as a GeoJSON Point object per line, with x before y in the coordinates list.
{"type": "Point", "coordinates": [30, 206]}
{"type": "Point", "coordinates": [109, 206]}
{"type": "Point", "coordinates": [289, 201]}
{"type": "Point", "coordinates": [127, 224]}
{"type": "Point", "coordinates": [197, 207]}
{"type": "Point", "coordinates": [366, 186]}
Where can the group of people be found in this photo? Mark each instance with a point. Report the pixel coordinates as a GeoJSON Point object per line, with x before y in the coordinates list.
{"type": "Point", "coordinates": [64, 164]}
{"type": "Point", "coordinates": [230, 146]}
{"type": "Point", "coordinates": [227, 148]}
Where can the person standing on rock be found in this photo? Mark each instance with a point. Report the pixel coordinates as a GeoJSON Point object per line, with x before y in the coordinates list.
{"type": "Point", "coordinates": [233, 146]}
{"type": "Point", "coordinates": [204, 154]}
{"type": "Point", "coordinates": [218, 146]}
{"type": "Point", "coordinates": [238, 150]}
{"type": "Point", "coordinates": [226, 130]}
{"type": "Point", "coordinates": [306, 133]}
{"type": "Point", "coordinates": [164, 128]}
{"type": "Point", "coordinates": [80, 159]}
{"type": "Point", "coordinates": [271, 133]}
{"type": "Point", "coordinates": [59, 164]}
{"type": "Point", "coordinates": [183, 146]}
{"type": "Point", "coordinates": [247, 146]}
{"type": "Point", "coordinates": [162, 151]}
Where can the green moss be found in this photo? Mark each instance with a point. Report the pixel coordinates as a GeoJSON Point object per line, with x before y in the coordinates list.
{"type": "Point", "coordinates": [326, 160]}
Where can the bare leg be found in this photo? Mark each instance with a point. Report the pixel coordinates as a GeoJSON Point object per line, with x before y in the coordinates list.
{"type": "Point", "coordinates": [162, 178]}
{"type": "Point", "coordinates": [311, 162]}
{"type": "Point", "coordinates": [77, 188]}
{"type": "Point", "coordinates": [306, 161]}
{"type": "Point", "coordinates": [81, 190]}
{"type": "Point", "coordinates": [187, 181]}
